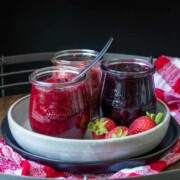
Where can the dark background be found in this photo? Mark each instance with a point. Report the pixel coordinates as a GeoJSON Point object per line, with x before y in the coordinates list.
{"type": "Point", "coordinates": [138, 27]}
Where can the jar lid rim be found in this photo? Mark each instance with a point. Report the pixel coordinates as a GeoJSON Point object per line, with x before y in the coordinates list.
{"type": "Point", "coordinates": [56, 69]}
{"type": "Point", "coordinates": [75, 52]}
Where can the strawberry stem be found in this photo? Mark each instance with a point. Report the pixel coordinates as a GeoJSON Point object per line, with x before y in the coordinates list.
{"type": "Point", "coordinates": [156, 118]}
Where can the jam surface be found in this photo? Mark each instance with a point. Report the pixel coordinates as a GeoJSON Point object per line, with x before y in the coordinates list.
{"type": "Point", "coordinates": [129, 67]}
{"type": "Point", "coordinates": [60, 112]}
{"type": "Point", "coordinates": [124, 99]}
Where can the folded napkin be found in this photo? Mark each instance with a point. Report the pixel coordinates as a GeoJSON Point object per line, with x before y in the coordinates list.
{"type": "Point", "coordinates": [167, 83]}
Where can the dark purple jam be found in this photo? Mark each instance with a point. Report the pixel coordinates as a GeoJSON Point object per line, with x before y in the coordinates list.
{"type": "Point", "coordinates": [129, 67]}
{"type": "Point", "coordinates": [127, 91]}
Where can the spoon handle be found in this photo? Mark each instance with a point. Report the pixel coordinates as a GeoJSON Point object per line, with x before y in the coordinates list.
{"type": "Point", "coordinates": [101, 53]}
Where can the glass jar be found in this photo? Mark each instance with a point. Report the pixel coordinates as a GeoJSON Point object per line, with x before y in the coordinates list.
{"type": "Point", "coordinates": [58, 107]}
{"type": "Point", "coordinates": [79, 58]}
{"type": "Point", "coordinates": [127, 90]}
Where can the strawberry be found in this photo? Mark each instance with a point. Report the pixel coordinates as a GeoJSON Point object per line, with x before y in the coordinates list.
{"type": "Point", "coordinates": [117, 132]}
{"type": "Point", "coordinates": [100, 126]}
{"type": "Point", "coordinates": [141, 124]}
{"type": "Point", "coordinates": [95, 136]}
{"type": "Point", "coordinates": [145, 123]}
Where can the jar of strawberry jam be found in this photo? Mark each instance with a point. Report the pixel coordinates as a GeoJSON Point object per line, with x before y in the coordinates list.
{"type": "Point", "coordinates": [127, 90]}
{"type": "Point", "coordinates": [79, 58]}
{"type": "Point", "coordinates": [58, 107]}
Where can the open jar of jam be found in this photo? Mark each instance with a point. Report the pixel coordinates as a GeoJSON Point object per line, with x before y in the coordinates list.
{"type": "Point", "coordinates": [58, 107]}
{"type": "Point", "coordinates": [127, 90]}
{"type": "Point", "coordinates": [79, 58]}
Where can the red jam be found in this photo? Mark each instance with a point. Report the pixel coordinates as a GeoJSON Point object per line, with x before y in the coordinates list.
{"type": "Point", "coordinates": [79, 58]}
{"type": "Point", "coordinates": [127, 90]}
{"type": "Point", "coordinates": [59, 110]}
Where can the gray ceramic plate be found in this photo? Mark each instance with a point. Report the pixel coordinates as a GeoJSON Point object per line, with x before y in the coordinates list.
{"type": "Point", "coordinates": [87, 149]}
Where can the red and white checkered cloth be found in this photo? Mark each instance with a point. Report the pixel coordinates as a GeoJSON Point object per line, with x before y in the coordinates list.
{"type": "Point", "coordinates": [167, 83]}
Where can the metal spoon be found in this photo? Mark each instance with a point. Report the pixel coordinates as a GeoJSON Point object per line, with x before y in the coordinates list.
{"type": "Point", "coordinates": [94, 60]}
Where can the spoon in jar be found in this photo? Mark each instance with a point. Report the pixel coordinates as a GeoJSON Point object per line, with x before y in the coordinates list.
{"type": "Point", "coordinates": [96, 59]}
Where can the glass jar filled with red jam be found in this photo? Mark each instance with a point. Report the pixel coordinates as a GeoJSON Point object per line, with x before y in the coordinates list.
{"type": "Point", "coordinates": [79, 58]}
{"type": "Point", "coordinates": [58, 106]}
{"type": "Point", "coordinates": [127, 90]}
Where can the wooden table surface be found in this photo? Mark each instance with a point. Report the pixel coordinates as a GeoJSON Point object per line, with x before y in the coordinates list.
{"type": "Point", "coordinates": [6, 102]}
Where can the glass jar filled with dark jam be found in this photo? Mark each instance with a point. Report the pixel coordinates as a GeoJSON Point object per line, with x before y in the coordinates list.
{"type": "Point", "coordinates": [127, 90]}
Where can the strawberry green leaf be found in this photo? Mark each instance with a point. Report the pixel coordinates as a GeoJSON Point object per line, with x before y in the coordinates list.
{"type": "Point", "coordinates": [148, 114]}
{"type": "Point", "coordinates": [119, 132]}
{"type": "Point", "coordinates": [152, 116]}
{"type": "Point", "coordinates": [124, 133]}
{"type": "Point", "coordinates": [98, 126]}
{"type": "Point", "coordinates": [91, 126]}
{"type": "Point", "coordinates": [113, 136]}
{"type": "Point", "coordinates": [159, 117]}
